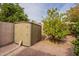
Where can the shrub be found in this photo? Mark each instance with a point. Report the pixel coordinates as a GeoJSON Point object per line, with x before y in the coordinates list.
{"type": "Point", "coordinates": [53, 26]}
{"type": "Point", "coordinates": [76, 46]}
{"type": "Point", "coordinates": [77, 28]}
{"type": "Point", "coordinates": [56, 28]}
{"type": "Point", "coordinates": [74, 28]}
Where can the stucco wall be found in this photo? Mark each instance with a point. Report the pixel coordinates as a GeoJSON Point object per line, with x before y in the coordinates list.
{"type": "Point", "coordinates": [6, 33]}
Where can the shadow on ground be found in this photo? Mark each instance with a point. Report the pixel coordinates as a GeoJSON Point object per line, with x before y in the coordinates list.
{"type": "Point", "coordinates": [32, 52]}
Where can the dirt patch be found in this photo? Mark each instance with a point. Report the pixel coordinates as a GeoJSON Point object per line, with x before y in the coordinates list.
{"type": "Point", "coordinates": [45, 48]}
{"type": "Point", "coordinates": [32, 52]}
{"type": "Point", "coordinates": [64, 48]}
{"type": "Point", "coordinates": [6, 49]}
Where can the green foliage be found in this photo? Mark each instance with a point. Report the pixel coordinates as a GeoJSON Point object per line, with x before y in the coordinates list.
{"type": "Point", "coordinates": [73, 14]}
{"type": "Point", "coordinates": [76, 28]}
{"type": "Point", "coordinates": [54, 26]}
{"type": "Point", "coordinates": [10, 12]}
{"type": "Point", "coordinates": [76, 46]}
{"type": "Point", "coordinates": [73, 17]}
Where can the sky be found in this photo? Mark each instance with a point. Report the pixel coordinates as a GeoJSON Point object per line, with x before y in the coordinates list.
{"type": "Point", "coordinates": [36, 11]}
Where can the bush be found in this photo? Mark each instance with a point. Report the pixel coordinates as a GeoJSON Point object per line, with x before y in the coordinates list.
{"type": "Point", "coordinates": [77, 28]}
{"type": "Point", "coordinates": [76, 46]}
{"type": "Point", "coordinates": [74, 28]}
{"type": "Point", "coordinates": [53, 26]}
{"type": "Point", "coordinates": [76, 42]}
{"type": "Point", "coordinates": [56, 28]}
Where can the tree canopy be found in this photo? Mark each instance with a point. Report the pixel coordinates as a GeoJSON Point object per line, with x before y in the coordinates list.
{"type": "Point", "coordinates": [54, 26]}
{"type": "Point", "coordinates": [73, 14]}
{"type": "Point", "coordinates": [10, 12]}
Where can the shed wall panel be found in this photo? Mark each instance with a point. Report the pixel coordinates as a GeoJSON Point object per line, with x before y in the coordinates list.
{"type": "Point", "coordinates": [28, 33]}
{"type": "Point", "coordinates": [22, 33]}
{"type": "Point", "coordinates": [35, 34]}
{"type": "Point", "coordinates": [6, 33]}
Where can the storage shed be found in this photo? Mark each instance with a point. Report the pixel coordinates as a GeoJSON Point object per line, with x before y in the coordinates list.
{"type": "Point", "coordinates": [27, 33]}
{"type": "Point", "coordinates": [6, 33]}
